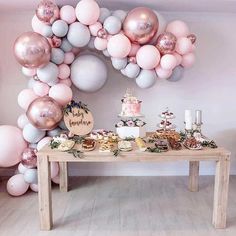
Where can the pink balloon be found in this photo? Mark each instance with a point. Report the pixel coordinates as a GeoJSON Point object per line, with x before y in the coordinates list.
{"type": "Point", "coordinates": [64, 71]}
{"type": "Point", "coordinates": [56, 179]}
{"type": "Point", "coordinates": [102, 33]}
{"type": "Point", "coordinates": [43, 142]}
{"type": "Point", "coordinates": [188, 60]}
{"type": "Point", "coordinates": [55, 42]}
{"type": "Point", "coordinates": [41, 89]}
{"type": "Point", "coordinates": [178, 58]}
{"type": "Point", "coordinates": [163, 74]}
{"type": "Point", "coordinates": [87, 12]}
{"type": "Point", "coordinates": [34, 187]}
{"type": "Point", "coordinates": [67, 13]}
{"type": "Point", "coordinates": [67, 82]}
{"type": "Point", "coordinates": [16, 185]}
{"type": "Point", "coordinates": [94, 28]}
{"type": "Point", "coordinates": [168, 62]}
{"type": "Point", "coordinates": [32, 50]}
{"type": "Point", "coordinates": [178, 28]}
{"type": "Point", "coordinates": [47, 11]}
{"type": "Point", "coordinates": [76, 51]}
{"type": "Point", "coordinates": [183, 45]}
{"type": "Point", "coordinates": [25, 97]}
{"type": "Point", "coordinates": [22, 121]}
{"type": "Point", "coordinates": [28, 72]}
{"type": "Point", "coordinates": [100, 44]}
{"type": "Point", "coordinates": [12, 145]}
{"type": "Point", "coordinates": [69, 58]}
{"type": "Point", "coordinates": [37, 25]}
{"type": "Point", "coordinates": [54, 169]}
{"type": "Point", "coordinates": [61, 93]}
{"type": "Point", "coordinates": [193, 49]}
{"type": "Point", "coordinates": [119, 46]}
{"type": "Point", "coordinates": [134, 49]}
{"type": "Point", "coordinates": [148, 57]}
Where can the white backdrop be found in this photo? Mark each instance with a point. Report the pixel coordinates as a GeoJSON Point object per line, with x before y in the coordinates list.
{"type": "Point", "coordinates": [209, 86]}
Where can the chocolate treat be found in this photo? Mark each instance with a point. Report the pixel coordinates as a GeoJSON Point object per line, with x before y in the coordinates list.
{"type": "Point", "coordinates": [162, 144]}
{"type": "Point", "coordinates": [88, 143]}
{"type": "Point", "coordinates": [175, 145]}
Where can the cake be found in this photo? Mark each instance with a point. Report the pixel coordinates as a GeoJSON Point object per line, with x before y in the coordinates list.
{"type": "Point", "coordinates": [131, 106]}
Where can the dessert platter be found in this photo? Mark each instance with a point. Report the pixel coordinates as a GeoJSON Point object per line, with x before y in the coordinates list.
{"type": "Point", "coordinates": [165, 123]}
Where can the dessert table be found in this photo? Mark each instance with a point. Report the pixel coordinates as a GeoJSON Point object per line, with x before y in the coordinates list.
{"type": "Point", "coordinates": [219, 155]}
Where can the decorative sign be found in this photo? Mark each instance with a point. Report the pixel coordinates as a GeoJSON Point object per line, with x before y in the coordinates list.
{"type": "Point", "coordinates": [78, 119]}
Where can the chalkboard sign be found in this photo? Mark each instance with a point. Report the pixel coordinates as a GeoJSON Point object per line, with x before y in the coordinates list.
{"type": "Point", "coordinates": [78, 119]}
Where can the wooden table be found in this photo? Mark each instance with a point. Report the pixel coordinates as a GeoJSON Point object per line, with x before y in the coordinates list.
{"type": "Point", "coordinates": [220, 156]}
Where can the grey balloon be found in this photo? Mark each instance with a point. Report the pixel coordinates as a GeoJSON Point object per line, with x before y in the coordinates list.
{"type": "Point", "coordinates": [120, 14]}
{"type": "Point", "coordinates": [54, 82]}
{"type": "Point", "coordinates": [88, 73]}
{"type": "Point", "coordinates": [78, 34]}
{"type": "Point", "coordinates": [119, 63]}
{"type": "Point", "coordinates": [177, 74]}
{"type": "Point", "coordinates": [91, 43]}
{"type": "Point", "coordinates": [32, 134]}
{"type": "Point", "coordinates": [132, 70]}
{"type": "Point", "coordinates": [104, 13]}
{"type": "Point", "coordinates": [146, 78]}
{"type": "Point", "coordinates": [62, 125]}
{"type": "Point", "coordinates": [60, 28]}
{"type": "Point", "coordinates": [57, 56]}
{"type": "Point", "coordinates": [112, 25]}
{"type": "Point", "coordinates": [65, 45]}
{"type": "Point", "coordinates": [46, 31]}
{"type": "Point", "coordinates": [49, 73]}
{"type": "Point", "coordinates": [54, 132]}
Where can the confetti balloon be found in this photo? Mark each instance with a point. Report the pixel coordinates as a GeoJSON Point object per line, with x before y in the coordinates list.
{"type": "Point", "coordinates": [29, 158]}
{"type": "Point", "coordinates": [166, 43]}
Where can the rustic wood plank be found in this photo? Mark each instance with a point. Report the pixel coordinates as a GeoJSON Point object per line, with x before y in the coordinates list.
{"type": "Point", "coordinates": [221, 192]}
{"type": "Point", "coordinates": [193, 175]}
{"type": "Point", "coordinates": [63, 176]}
{"type": "Point", "coordinates": [44, 193]}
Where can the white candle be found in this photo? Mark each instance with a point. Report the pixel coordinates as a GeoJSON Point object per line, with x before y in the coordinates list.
{"type": "Point", "coordinates": [198, 117]}
{"type": "Point", "coordinates": [188, 119]}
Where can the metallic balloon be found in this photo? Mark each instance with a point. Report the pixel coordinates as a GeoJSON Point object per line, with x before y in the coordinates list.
{"type": "Point", "coordinates": [29, 158]}
{"type": "Point", "coordinates": [47, 11]}
{"type": "Point", "coordinates": [44, 113]}
{"type": "Point", "coordinates": [141, 25]}
{"type": "Point", "coordinates": [32, 50]}
{"type": "Point", "coordinates": [54, 42]}
{"type": "Point", "coordinates": [192, 37]}
{"type": "Point", "coordinates": [132, 60]}
{"type": "Point", "coordinates": [166, 43]}
{"type": "Point", "coordinates": [102, 33]}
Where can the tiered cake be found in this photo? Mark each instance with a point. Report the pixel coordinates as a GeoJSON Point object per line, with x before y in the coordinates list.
{"type": "Point", "coordinates": [130, 125]}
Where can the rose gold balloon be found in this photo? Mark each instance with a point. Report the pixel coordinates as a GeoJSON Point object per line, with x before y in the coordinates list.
{"type": "Point", "coordinates": [166, 43]}
{"type": "Point", "coordinates": [29, 158]}
{"type": "Point", "coordinates": [192, 37]}
{"type": "Point", "coordinates": [140, 25]}
{"type": "Point", "coordinates": [44, 113]}
{"type": "Point", "coordinates": [102, 33]}
{"type": "Point", "coordinates": [54, 42]}
{"type": "Point", "coordinates": [32, 50]}
{"type": "Point", "coordinates": [132, 60]}
{"type": "Point", "coordinates": [47, 11]}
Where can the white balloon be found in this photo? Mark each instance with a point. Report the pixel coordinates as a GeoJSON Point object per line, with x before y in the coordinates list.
{"type": "Point", "coordinates": [31, 83]}
{"type": "Point", "coordinates": [32, 134]}
{"type": "Point", "coordinates": [57, 56]}
{"type": "Point", "coordinates": [60, 28]}
{"type": "Point", "coordinates": [132, 70]}
{"type": "Point", "coordinates": [34, 187]}
{"type": "Point", "coordinates": [46, 31]}
{"type": "Point", "coordinates": [65, 45]}
{"type": "Point", "coordinates": [78, 34]}
{"type": "Point", "coordinates": [31, 176]}
{"type": "Point", "coordinates": [104, 13]}
{"type": "Point", "coordinates": [22, 121]}
{"type": "Point", "coordinates": [112, 25]}
{"type": "Point", "coordinates": [33, 145]}
{"type": "Point", "coordinates": [54, 132]}
{"type": "Point", "coordinates": [146, 78]}
{"type": "Point", "coordinates": [88, 73]}
{"type": "Point", "coordinates": [120, 14]}
{"type": "Point", "coordinates": [119, 63]}
{"type": "Point", "coordinates": [21, 168]}
{"type": "Point", "coordinates": [49, 73]}
{"type": "Point", "coordinates": [106, 53]}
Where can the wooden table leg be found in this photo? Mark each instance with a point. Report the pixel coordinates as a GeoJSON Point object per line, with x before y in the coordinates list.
{"type": "Point", "coordinates": [221, 192]}
{"type": "Point", "coordinates": [193, 176]}
{"type": "Point", "coordinates": [44, 193]}
{"type": "Point", "coordinates": [63, 176]}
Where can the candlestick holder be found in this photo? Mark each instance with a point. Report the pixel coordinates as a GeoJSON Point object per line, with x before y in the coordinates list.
{"type": "Point", "coordinates": [198, 127]}
{"type": "Point", "coordinates": [188, 133]}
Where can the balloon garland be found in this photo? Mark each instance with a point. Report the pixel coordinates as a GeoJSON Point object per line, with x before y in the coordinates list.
{"type": "Point", "coordinates": [140, 44]}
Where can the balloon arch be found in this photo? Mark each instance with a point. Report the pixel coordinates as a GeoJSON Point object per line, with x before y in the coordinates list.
{"type": "Point", "coordinates": [141, 45]}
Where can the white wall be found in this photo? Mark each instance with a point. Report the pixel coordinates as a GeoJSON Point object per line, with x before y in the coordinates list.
{"type": "Point", "coordinates": [209, 86]}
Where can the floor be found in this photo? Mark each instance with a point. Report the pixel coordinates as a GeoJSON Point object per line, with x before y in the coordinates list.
{"type": "Point", "coordinates": [120, 206]}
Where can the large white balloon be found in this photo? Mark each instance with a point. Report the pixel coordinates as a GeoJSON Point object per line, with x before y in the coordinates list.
{"type": "Point", "coordinates": [88, 73]}
{"type": "Point", "coordinates": [146, 79]}
{"type": "Point", "coordinates": [78, 35]}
